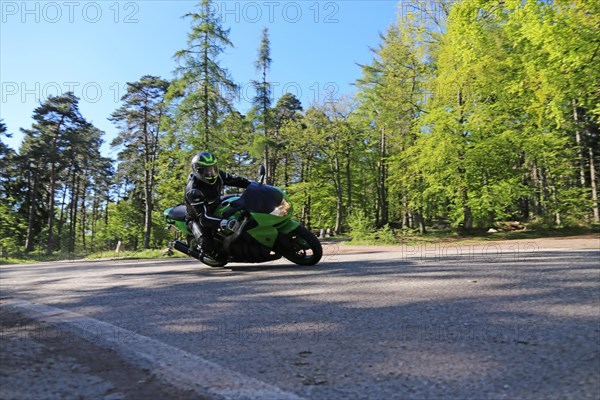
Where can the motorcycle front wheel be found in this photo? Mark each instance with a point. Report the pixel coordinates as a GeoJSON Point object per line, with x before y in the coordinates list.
{"type": "Point", "coordinates": [300, 246]}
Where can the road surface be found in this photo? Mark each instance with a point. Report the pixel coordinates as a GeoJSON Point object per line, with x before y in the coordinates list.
{"type": "Point", "coordinates": [509, 321]}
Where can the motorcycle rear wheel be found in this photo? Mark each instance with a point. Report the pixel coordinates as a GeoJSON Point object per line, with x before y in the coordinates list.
{"type": "Point", "coordinates": [301, 247]}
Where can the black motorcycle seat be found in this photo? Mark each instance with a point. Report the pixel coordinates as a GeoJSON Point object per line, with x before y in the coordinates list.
{"type": "Point", "coordinates": [177, 213]}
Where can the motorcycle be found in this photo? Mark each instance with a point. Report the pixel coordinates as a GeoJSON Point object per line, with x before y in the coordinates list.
{"type": "Point", "coordinates": [266, 230]}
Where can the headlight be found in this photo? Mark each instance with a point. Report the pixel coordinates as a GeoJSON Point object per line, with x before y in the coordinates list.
{"type": "Point", "coordinates": [282, 209]}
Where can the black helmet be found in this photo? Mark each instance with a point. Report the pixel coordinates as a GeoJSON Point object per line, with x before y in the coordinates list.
{"type": "Point", "coordinates": [204, 167]}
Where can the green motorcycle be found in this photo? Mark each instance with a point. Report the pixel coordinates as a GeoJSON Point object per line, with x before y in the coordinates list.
{"type": "Point", "coordinates": [266, 230]}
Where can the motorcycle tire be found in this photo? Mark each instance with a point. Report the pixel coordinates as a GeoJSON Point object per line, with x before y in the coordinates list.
{"type": "Point", "coordinates": [294, 247]}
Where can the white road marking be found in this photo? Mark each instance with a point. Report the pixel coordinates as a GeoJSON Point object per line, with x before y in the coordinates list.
{"type": "Point", "coordinates": [167, 363]}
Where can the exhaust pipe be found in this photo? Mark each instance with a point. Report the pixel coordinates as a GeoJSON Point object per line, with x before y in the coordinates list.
{"type": "Point", "coordinates": [185, 249]}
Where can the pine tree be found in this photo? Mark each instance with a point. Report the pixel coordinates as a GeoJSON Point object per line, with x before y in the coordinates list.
{"type": "Point", "coordinates": [262, 102]}
{"type": "Point", "coordinates": [202, 91]}
{"type": "Point", "coordinates": [139, 120]}
{"type": "Point", "coordinates": [58, 132]}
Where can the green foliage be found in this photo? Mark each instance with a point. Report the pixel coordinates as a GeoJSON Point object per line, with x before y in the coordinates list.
{"type": "Point", "coordinates": [386, 235]}
{"type": "Point", "coordinates": [12, 228]}
{"type": "Point", "coordinates": [361, 226]}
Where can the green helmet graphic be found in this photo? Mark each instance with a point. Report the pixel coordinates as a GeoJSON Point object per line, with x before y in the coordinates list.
{"type": "Point", "coordinates": [204, 167]}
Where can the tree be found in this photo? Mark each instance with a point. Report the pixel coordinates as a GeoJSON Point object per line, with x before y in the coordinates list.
{"type": "Point", "coordinates": [287, 109]}
{"type": "Point", "coordinates": [262, 101]}
{"type": "Point", "coordinates": [202, 90]}
{"type": "Point", "coordinates": [57, 135]}
{"type": "Point", "coordinates": [7, 154]}
{"type": "Point", "coordinates": [11, 223]}
{"type": "Point", "coordinates": [139, 120]}
{"type": "Point", "coordinates": [559, 43]}
{"type": "Point", "coordinates": [391, 98]}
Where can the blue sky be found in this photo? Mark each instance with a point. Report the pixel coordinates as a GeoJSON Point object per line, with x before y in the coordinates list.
{"type": "Point", "coordinates": [95, 47]}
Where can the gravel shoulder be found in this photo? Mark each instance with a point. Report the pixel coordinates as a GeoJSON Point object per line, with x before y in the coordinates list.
{"type": "Point", "coordinates": [38, 361]}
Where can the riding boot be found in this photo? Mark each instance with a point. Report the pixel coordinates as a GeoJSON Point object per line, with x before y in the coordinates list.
{"type": "Point", "coordinates": [205, 240]}
{"type": "Point", "coordinates": [209, 248]}
{"type": "Point", "coordinates": [194, 227]}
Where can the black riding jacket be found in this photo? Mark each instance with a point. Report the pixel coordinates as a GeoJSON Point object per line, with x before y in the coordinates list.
{"type": "Point", "coordinates": [202, 199]}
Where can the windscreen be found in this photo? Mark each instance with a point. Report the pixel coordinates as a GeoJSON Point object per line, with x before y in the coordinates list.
{"type": "Point", "coordinates": [261, 198]}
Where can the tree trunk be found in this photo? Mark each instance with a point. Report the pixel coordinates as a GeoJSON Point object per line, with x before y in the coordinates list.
{"type": "Point", "coordinates": [83, 217]}
{"type": "Point", "coordinates": [545, 192]}
{"type": "Point", "coordinates": [467, 213]}
{"type": "Point", "coordinates": [306, 209]}
{"type": "Point", "coordinates": [31, 217]}
{"type": "Point", "coordinates": [53, 157]}
{"type": "Point", "coordinates": [406, 219]}
{"type": "Point", "coordinates": [339, 194]}
{"type": "Point", "coordinates": [537, 199]}
{"type": "Point", "coordinates": [61, 219]}
{"type": "Point", "coordinates": [106, 209]}
{"type": "Point", "coordinates": [267, 164]}
{"type": "Point", "coordinates": [594, 187]}
{"type": "Point", "coordinates": [580, 153]}
{"type": "Point", "coordinates": [557, 216]}
{"type": "Point", "coordinates": [348, 183]}
{"type": "Point", "coordinates": [73, 214]}
{"type": "Point", "coordinates": [307, 214]}
{"type": "Point", "coordinates": [95, 204]}
{"type": "Point", "coordinates": [148, 214]}
{"type": "Point", "coordinates": [205, 96]}
{"type": "Point", "coordinates": [286, 173]}
{"type": "Point", "coordinates": [382, 192]}
{"type": "Point", "coordinates": [420, 221]}
{"type": "Point", "coordinates": [148, 172]}
{"type": "Point", "coordinates": [49, 242]}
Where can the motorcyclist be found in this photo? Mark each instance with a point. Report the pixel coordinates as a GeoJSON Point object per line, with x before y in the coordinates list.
{"type": "Point", "coordinates": [203, 195]}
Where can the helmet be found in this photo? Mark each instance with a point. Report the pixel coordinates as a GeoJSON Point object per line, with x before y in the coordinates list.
{"type": "Point", "coordinates": [204, 167]}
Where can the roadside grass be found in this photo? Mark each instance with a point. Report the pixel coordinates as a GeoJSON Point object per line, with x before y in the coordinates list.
{"type": "Point", "coordinates": [112, 255]}
{"type": "Point", "coordinates": [37, 257]}
{"type": "Point", "coordinates": [11, 260]}
{"type": "Point", "coordinates": [134, 255]}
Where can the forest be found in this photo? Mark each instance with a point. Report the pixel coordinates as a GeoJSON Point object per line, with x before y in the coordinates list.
{"type": "Point", "coordinates": [489, 114]}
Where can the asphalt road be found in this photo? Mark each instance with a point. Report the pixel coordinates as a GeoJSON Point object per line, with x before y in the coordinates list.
{"type": "Point", "coordinates": [494, 323]}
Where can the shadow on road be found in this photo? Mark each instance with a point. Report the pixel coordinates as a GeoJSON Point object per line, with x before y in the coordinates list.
{"type": "Point", "coordinates": [396, 328]}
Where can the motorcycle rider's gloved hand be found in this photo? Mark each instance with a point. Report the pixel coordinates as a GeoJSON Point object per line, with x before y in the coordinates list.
{"type": "Point", "coordinates": [230, 224]}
